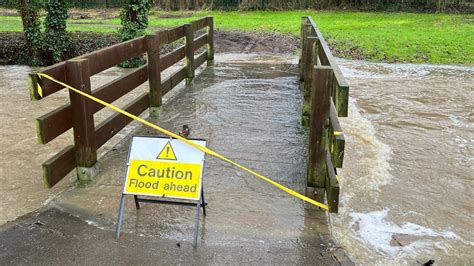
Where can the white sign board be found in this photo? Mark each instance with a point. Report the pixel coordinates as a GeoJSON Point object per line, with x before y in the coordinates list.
{"type": "Point", "coordinates": [164, 167]}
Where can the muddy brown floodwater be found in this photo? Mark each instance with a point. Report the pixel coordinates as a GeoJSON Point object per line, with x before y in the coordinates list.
{"type": "Point", "coordinates": [21, 183]}
{"type": "Point", "coordinates": [248, 108]}
{"type": "Point", "coordinates": [407, 182]}
{"type": "Point", "coordinates": [408, 177]}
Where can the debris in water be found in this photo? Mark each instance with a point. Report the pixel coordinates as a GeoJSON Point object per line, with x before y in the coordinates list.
{"type": "Point", "coordinates": [39, 223]}
{"type": "Point", "coordinates": [185, 131]}
{"type": "Point", "coordinates": [429, 263]}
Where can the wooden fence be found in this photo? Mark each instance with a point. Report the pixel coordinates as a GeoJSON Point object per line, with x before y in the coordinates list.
{"type": "Point", "coordinates": [79, 113]}
{"type": "Point", "coordinates": [329, 94]}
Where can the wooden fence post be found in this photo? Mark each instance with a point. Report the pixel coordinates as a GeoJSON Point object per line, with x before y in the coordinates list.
{"type": "Point", "coordinates": [78, 76]}
{"type": "Point", "coordinates": [154, 73]}
{"type": "Point", "coordinates": [306, 32]}
{"type": "Point", "coordinates": [309, 63]}
{"type": "Point", "coordinates": [210, 40]}
{"type": "Point", "coordinates": [189, 51]}
{"type": "Point", "coordinates": [302, 45]}
{"type": "Point", "coordinates": [303, 20]}
{"type": "Point", "coordinates": [319, 124]}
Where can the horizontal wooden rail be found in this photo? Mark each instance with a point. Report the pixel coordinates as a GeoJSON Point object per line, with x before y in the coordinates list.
{"type": "Point", "coordinates": [58, 121]}
{"type": "Point", "coordinates": [98, 61]}
{"type": "Point", "coordinates": [341, 98]}
{"type": "Point", "coordinates": [173, 80]}
{"type": "Point", "coordinates": [338, 142]}
{"type": "Point", "coordinates": [108, 57]}
{"type": "Point", "coordinates": [112, 125]}
{"type": "Point", "coordinates": [107, 129]}
{"type": "Point", "coordinates": [58, 166]}
{"type": "Point", "coordinates": [54, 123]}
{"type": "Point", "coordinates": [200, 42]}
{"type": "Point", "coordinates": [171, 35]}
{"type": "Point", "coordinates": [64, 162]}
{"type": "Point", "coordinates": [172, 58]}
{"type": "Point", "coordinates": [199, 24]}
{"type": "Point", "coordinates": [200, 59]}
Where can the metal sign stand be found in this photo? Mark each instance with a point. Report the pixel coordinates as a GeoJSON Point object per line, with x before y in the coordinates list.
{"type": "Point", "coordinates": [200, 203]}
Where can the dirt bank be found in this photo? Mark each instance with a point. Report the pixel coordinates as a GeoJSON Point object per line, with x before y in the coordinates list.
{"type": "Point", "coordinates": [255, 42]}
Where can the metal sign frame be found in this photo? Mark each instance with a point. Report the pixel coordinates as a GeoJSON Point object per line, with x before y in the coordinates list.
{"type": "Point", "coordinates": [200, 203]}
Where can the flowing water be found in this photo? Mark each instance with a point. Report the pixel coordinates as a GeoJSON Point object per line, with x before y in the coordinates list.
{"type": "Point", "coordinates": [21, 183]}
{"type": "Point", "coordinates": [408, 177]}
{"type": "Point", "coordinates": [408, 172]}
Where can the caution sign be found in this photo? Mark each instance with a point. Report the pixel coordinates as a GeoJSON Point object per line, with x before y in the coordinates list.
{"type": "Point", "coordinates": [167, 153]}
{"type": "Point", "coordinates": [164, 167]}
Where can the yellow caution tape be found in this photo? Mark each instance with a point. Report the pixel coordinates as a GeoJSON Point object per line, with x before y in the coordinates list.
{"type": "Point", "coordinates": [40, 90]}
{"type": "Point", "coordinates": [199, 147]}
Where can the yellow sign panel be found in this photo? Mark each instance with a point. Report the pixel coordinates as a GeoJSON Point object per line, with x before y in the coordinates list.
{"type": "Point", "coordinates": [165, 179]}
{"type": "Point", "coordinates": [167, 153]}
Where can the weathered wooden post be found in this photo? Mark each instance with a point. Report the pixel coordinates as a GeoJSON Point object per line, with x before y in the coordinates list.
{"type": "Point", "coordinates": [304, 51]}
{"type": "Point", "coordinates": [309, 63]}
{"type": "Point", "coordinates": [302, 40]}
{"type": "Point", "coordinates": [342, 98]}
{"type": "Point", "coordinates": [189, 51]}
{"type": "Point", "coordinates": [210, 40]}
{"type": "Point", "coordinates": [154, 73]}
{"type": "Point", "coordinates": [319, 124]}
{"type": "Point", "coordinates": [78, 76]}
{"type": "Point", "coordinates": [337, 140]}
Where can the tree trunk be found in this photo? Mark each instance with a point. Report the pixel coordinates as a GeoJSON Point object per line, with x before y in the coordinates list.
{"type": "Point", "coordinates": [28, 15]}
{"type": "Point", "coordinates": [31, 29]}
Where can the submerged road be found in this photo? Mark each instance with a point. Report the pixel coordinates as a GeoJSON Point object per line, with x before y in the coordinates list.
{"type": "Point", "coordinates": [248, 109]}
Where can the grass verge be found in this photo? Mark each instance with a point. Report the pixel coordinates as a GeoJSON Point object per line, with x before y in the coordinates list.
{"type": "Point", "coordinates": [375, 36]}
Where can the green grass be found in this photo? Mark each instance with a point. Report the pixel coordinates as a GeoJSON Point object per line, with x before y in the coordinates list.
{"type": "Point", "coordinates": [390, 37]}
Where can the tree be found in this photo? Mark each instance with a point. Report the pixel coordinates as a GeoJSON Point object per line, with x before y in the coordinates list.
{"type": "Point", "coordinates": [29, 11]}
{"type": "Point", "coordinates": [57, 40]}
{"type": "Point", "coordinates": [134, 20]}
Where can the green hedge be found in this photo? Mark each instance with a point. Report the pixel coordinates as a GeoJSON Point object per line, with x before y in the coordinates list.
{"type": "Point", "coordinates": [463, 6]}
{"type": "Point", "coordinates": [74, 3]}
{"type": "Point", "coordinates": [9, 3]}
{"type": "Point", "coordinates": [97, 3]}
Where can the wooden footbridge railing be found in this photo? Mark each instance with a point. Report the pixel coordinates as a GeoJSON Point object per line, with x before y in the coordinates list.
{"type": "Point", "coordinates": [79, 113]}
{"type": "Point", "coordinates": [327, 94]}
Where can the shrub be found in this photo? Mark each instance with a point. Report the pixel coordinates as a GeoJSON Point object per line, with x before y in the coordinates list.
{"type": "Point", "coordinates": [134, 20]}
{"type": "Point", "coordinates": [29, 11]}
{"type": "Point", "coordinates": [57, 41]}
